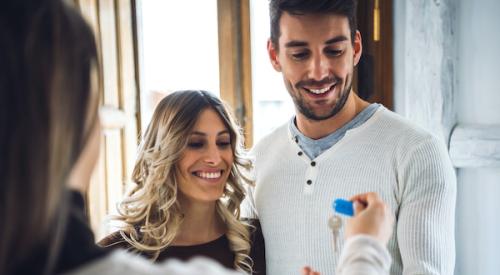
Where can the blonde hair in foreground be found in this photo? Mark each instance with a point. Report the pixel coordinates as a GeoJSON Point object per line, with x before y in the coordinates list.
{"type": "Point", "coordinates": [151, 212]}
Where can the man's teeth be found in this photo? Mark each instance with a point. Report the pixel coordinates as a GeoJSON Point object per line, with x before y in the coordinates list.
{"type": "Point", "coordinates": [320, 91]}
{"type": "Point", "coordinates": [206, 175]}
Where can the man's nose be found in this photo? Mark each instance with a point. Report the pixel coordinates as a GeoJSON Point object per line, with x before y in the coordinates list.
{"type": "Point", "coordinates": [318, 68]}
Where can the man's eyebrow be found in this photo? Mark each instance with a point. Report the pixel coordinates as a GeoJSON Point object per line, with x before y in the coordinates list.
{"type": "Point", "coordinates": [296, 43]}
{"type": "Point", "coordinates": [336, 39]}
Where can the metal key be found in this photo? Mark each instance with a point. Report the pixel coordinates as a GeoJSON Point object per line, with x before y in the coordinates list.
{"type": "Point", "coordinates": [335, 223]}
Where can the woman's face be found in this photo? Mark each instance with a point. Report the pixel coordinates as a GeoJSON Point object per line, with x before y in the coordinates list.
{"type": "Point", "coordinates": [207, 160]}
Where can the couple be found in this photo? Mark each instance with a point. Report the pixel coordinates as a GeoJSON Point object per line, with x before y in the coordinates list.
{"type": "Point", "coordinates": [338, 145]}
{"type": "Point", "coordinates": [190, 184]}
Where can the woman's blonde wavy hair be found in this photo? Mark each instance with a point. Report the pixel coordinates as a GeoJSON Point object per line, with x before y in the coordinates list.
{"type": "Point", "coordinates": [151, 211]}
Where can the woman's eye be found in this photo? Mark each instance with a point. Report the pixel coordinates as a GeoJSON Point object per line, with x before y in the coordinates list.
{"type": "Point", "coordinates": [224, 144]}
{"type": "Point", "coordinates": [195, 145]}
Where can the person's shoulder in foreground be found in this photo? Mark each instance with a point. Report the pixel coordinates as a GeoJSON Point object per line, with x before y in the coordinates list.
{"type": "Point", "coordinates": [121, 262]}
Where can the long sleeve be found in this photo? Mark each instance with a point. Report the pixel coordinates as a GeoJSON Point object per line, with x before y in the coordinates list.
{"type": "Point", "coordinates": [425, 230]}
{"type": "Point", "coordinates": [364, 255]}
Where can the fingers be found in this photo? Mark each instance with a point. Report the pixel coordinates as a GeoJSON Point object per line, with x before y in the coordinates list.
{"type": "Point", "coordinates": [358, 207]}
{"type": "Point", "coordinates": [366, 199]}
{"type": "Point", "coordinates": [370, 200]}
{"type": "Point", "coordinates": [306, 270]}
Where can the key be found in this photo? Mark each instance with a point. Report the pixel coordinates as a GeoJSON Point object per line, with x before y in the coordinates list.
{"type": "Point", "coordinates": [335, 223]}
{"type": "Point", "coordinates": [344, 207]}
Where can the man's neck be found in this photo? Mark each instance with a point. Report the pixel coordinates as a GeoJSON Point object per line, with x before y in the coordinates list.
{"type": "Point", "coordinates": [316, 129]}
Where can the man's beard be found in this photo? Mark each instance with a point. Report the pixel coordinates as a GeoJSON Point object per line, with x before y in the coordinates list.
{"type": "Point", "coordinates": [309, 113]}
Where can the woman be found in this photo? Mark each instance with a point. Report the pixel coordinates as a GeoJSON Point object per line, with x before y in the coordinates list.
{"type": "Point", "coordinates": [189, 186]}
{"type": "Point", "coordinates": [47, 116]}
{"type": "Point", "coordinates": [49, 141]}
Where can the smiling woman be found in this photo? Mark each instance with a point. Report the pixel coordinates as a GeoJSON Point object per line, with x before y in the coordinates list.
{"type": "Point", "coordinates": [189, 186]}
{"type": "Point", "coordinates": [206, 161]}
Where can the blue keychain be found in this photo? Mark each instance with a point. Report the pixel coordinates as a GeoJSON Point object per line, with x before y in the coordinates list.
{"type": "Point", "coordinates": [344, 207]}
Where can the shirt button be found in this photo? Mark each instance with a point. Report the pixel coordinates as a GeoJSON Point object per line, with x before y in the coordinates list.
{"type": "Point", "coordinates": [300, 153]}
{"type": "Point", "coordinates": [309, 182]}
{"type": "Point", "coordinates": [313, 163]}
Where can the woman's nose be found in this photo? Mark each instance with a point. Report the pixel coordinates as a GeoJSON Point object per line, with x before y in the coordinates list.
{"type": "Point", "coordinates": [212, 155]}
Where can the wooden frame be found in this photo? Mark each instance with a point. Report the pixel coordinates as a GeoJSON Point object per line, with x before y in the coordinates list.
{"type": "Point", "coordinates": [114, 27]}
{"type": "Point", "coordinates": [234, 61]}
{"type": "Point", "coordinates": [377, 58]}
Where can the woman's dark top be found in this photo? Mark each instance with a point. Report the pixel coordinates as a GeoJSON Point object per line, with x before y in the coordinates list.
{"type": "Point", "coordinates": [217, 249]}
{"type": "Point", "coordinates": [78, 246]}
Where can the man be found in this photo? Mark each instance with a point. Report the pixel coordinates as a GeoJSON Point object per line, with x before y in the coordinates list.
{"type": "Point", "coordinates": [338, 145]}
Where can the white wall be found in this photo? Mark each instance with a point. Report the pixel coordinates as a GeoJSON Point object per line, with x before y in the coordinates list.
{"type": "Point", "coordinates": [464, 35]}
{"type": "Point", "coordinates": [478, 102]}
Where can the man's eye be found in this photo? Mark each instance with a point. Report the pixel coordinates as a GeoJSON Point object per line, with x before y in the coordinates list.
{"type": "Point", "coordinates": [300, 56]}
{"type": "Point", "coordinates": [333, 52]}
{"type": "Point", "coordinates": [195, 145]}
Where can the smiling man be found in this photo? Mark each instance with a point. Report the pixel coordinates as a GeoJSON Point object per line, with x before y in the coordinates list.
{"type": "Point", "coordinates": [337, 145]}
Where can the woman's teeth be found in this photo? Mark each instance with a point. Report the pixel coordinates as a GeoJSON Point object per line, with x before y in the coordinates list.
{"type": "Point", "coordinates": [206, 175]}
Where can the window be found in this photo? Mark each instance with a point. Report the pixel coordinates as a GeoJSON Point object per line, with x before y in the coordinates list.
{"type": "Point", "coordinates": [178, 49]}
{"type": "Point", "coordinates": [272, 104]}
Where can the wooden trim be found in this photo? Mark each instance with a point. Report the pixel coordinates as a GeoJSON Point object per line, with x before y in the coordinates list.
{"type": "Point", "coordinates": [475, 146]}
{"type": "Point", "coordinates": [384, 50]}
{"type": "Point", "coordinates": [234, 61]}
{"type": "Point", "coordinates": [377, 68]}
{"type": "Point", "coordinates": [113, 22]}
{"type": "Point", "coordinates": [227, 50]}
{"type": "Point", "coordinates": [107, 19]}
{"type": "Point", "coordinates": [128, 88]}
{"type": "Point", "coordinates": [246, 76]}
{"type": "Point", "coordinates": [113, 143]}
{"type": "Point", "coordinates": [135, 41]}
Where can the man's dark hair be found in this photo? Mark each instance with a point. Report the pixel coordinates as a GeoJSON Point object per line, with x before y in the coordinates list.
{"type": "Point", "coordinates": [345, 8]}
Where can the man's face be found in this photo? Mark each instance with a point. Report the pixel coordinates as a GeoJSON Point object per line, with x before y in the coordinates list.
{"type": "Point", "coordinates": [316, 57]}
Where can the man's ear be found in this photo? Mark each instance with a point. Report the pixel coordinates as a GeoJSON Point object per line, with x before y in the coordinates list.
{"type": "Point", "coordinates": [273, 55]}
{"type": "Point", "coordinates": [358, 47]}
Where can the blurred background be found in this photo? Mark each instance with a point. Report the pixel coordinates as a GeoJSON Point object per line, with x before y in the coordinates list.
{"type": "Point", "coordinates": [434, 62]}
